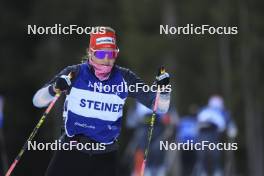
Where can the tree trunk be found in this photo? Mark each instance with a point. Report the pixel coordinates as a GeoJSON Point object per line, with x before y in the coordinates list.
{"type": "Point", "coordinates": [254, 142]}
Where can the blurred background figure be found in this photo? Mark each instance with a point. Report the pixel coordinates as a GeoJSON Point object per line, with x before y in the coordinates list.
{"type": "Point", "coordinates": [3, 155]}
{"type": "Point", "coordinates": [213, 121]}
{"type": "Point", "coordinates": [138, 119]}
{"type": "Point", "coordinates": [187, 130]}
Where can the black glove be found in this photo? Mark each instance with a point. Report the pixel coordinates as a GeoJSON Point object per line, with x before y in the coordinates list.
{"type": "Point", "coordinates": [163, 78]}
{"type": "Point", "coordinates": [63, 83]}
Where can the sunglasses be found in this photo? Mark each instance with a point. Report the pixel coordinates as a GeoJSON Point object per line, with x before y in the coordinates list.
{"type": "Point", "coordinates": [101, 54]}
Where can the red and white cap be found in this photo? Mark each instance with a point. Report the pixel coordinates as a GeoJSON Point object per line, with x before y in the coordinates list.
{"type": "Point", "coordinates": [103, 40]}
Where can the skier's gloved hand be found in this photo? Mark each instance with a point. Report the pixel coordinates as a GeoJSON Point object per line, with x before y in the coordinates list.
{"type": "Point", "coordinates": [63, 83]}
{"type": "Point", "coordinates": [163, 78]}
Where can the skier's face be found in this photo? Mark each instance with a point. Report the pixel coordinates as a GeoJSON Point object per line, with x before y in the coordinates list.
{"type": "Point", "coordinates": [106, 56]}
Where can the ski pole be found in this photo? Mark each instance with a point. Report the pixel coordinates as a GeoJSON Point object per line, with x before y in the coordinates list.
{"type": "Point", "coordinates": [32, 135]}
{"type": "Point", "coordinates": [35, 130]}
{"type": "Point", "coordinates": [151, 126]}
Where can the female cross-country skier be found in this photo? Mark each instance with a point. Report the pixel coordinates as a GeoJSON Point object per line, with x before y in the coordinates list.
{"type": "Point", "coordinates": [92, 115]}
